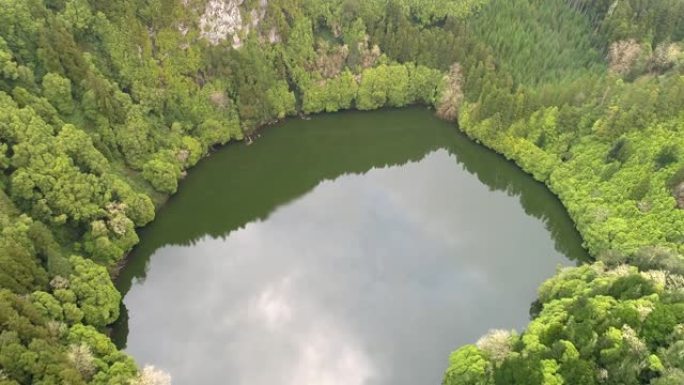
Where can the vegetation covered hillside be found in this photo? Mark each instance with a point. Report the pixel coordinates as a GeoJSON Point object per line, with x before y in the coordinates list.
{"type": "Point", "coordinates": [105, 105]}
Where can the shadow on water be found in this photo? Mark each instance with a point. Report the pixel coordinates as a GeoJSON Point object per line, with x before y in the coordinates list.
{"type": "Point", "coordinates": [241, 184]}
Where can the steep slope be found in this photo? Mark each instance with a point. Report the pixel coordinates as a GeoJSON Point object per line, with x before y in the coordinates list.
{"type": "Point", "coordinates": [106, 105]}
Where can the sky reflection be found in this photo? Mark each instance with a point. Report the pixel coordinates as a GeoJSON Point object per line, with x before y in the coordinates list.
{"type": "Point", "coordinates": [367, 279]}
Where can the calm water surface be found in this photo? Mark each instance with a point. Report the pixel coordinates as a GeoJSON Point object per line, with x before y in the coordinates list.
{"type": "Point", "coordinates": [351, 249]}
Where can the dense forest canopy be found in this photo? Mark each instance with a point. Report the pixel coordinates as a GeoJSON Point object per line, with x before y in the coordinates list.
{"type": "Point", "coordinates": [105, 105]}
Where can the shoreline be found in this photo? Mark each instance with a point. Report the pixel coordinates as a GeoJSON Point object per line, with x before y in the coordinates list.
{"type": "Point", "coordinates": [254, 134]}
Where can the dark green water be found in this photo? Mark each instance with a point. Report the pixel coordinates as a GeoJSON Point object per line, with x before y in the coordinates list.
{"type": "Point", "coordinates": [351, 249]}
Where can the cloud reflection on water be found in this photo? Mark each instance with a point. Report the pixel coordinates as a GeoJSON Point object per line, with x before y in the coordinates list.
{"type": "Point", "coordinates": [366, 280]}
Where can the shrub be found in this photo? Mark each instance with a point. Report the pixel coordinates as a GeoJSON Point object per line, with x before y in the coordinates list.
{"type": "Point", "coordinates": [162, 175]}
{"type": "Point", "coordinates": [621, 151]}
{"type": "Point", "coordinates": [667, 155]}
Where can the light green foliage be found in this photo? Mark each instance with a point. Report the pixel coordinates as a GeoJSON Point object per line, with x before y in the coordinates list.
{"type": "Point", "coordinates": [111, 236]}
{"type": "Point", "coordinates": [299, 51]}
{"type": "Point", "coordinates": [104, 106]}
{"type": "Point", "coordinates": [213, 132]}
{"type": "Point", "coordinates": [615, 219]}
{"type": "Point", "coordinates": [113, 366]}
{"type": "Point", "coordinates": [587, 312]}
{"type": "Point", "coordinates": [282, 101]}
{"type": "Point", "coordinates": [610, 150]}
{"type": "Point", "coordinates": [28, 352]}
{"type": "Point", "coordinates": [468, 366]}
{"type": "Point", "coordinates": [79, 146]}
{"type": "Point", "coordinates": [424, 83]}
{"type": "Point", "coordinates": [398, 90]}
{"type": "Point", "coordinates": [4, 159]}
{"type": "Point", "coordinates": [19, 271]}
{"type": "Point", "coordinates": [47, 305]}
{"type": "Point", "coordinates": [373, 89]}
{"type": "Point", "coordinates": [77, 14]}
{"type": "Point", "coordinates": [134, 139]}
{"type": "Point", "coordinates": [163, 175]}
{"type": "Point", "coordinates": [137, 206]}
{"type": "Point", "coordinates": [57, 90]}
{"type": "Point", "coordinates": [8, 67]}
{"type": "Point", "coordinates": [673, 377]}
{"type": "Point", "coordinates": [331, 95]}
{"type": "Point", "coordinates": [385, 85]}
{"type": "Point", "coordinates": [194, 151]}
{"type": "Point", "coordinates": [95, 294]}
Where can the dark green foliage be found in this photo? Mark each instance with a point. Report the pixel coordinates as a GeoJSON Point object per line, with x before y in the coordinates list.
{"type": "Point", "coordinates": [105, 105]}
{"type": "Point", "coordinates": [631, 287]}
{"type": "Point", "coordinates": [609, 171]}
{"type": "Point", "coordinates": [577, 371]}
{"type": "Point", "coordinates": [668, 155]}
{"type": "Point", "coordinates": [621, 151]}
{"type": "Point", "coordinates": [537, 41]}
{"type": "Point", "coordinates": [656, 21]}
{"type": "Point", "coordinates": [661, 322]}
{"type": "Point", "coordinates": [657, 258]}
{"type": "Point", "coordinates": [518, 371]}
{"type": "Point", "coordinates": [641, 189]}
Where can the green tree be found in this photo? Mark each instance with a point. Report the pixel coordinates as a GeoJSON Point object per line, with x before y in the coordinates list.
{"type": "Point", "coordinates": [468, 366]}
{"type": "Point", "coordinates": [95, 293]}
{"type": "Point", "coordinates": [162, 175]}
{"type": "Point", "coordinates": [57, 90]}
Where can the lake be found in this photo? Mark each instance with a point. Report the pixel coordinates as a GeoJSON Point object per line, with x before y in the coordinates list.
{"type": "Point", "coordinates": [353, 249]}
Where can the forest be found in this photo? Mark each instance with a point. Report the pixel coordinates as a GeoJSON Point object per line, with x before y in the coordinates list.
{"type": "Point", "coordinates": [105, 106]}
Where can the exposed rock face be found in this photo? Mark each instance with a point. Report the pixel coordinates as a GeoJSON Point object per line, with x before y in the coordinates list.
{"type": "Point", "coordinates": [666, 55]}
{"type": "Point", "coordinates": [623, 55]}
{"type": "Point", "coordinates": [221, 19]}
{"type": "Point", "coordinates": [679, 195]}
{"type": "Point", "coordinates": [452, 95]}
{"type": "Point", "coordinates": [330, 59]}
{"type": "Point", "coordinates": [273, 36]}
{"type": "Point", "coordinates": [224, 19]}
{"type": "Point", "coordinates": [219, 99]}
